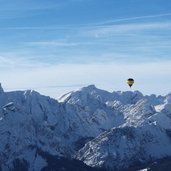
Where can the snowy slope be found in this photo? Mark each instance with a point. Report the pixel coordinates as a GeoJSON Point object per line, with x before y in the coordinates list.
{"type": "Point", "coordinates": [143, 137]}
{"type": "Point", "coordinates": [102, 129]}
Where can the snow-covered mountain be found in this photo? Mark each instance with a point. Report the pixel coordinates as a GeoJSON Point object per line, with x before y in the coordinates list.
{"type": "Point", "coordinates": [118, 130]}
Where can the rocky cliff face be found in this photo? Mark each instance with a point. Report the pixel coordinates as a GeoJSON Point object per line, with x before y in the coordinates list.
{"type": "Point", "coordinates": [104, 130]}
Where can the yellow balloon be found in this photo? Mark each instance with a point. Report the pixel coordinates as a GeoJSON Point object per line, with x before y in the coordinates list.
{"type": "Point", "coordinates": [130, 82]}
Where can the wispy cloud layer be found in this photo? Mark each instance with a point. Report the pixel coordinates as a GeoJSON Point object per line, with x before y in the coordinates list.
{"type": "Point", "coordinates": [133, 28]}
{"type": "Point", "coordinates": [54, 80]}
{"type": "Point", "coordinates": [136, 18]}
{"type": "Point", "coordinates": [52, 43]}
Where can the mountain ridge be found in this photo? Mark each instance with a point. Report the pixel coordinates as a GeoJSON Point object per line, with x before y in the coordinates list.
{"type": "Point", "coordinates": [102, 129]}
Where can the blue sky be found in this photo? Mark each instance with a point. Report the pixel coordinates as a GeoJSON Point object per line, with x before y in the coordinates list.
{"type": "Point", "coordinates": [60, 45]}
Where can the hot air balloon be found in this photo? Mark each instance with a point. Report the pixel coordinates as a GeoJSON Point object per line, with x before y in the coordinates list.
{"type": "Point", "coordinates": [130, 81]}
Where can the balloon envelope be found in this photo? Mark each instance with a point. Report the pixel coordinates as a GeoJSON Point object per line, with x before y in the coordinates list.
{"type": "Point", "coordinates": [130, 81]}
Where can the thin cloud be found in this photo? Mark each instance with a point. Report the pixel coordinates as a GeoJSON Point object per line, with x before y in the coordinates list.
{"type": "Point", "coordinates": [14, 62]}
{"type": "Point", "coordinates": [92, 25]}
{"type": "Point", "coordinates": [65, 27]}
{"type": "Point", "coordinates": [52, 43]}
{"type": "Point", "coordinates": [134, 18]}
{"type": "Point", "coordinates": [127, 28]}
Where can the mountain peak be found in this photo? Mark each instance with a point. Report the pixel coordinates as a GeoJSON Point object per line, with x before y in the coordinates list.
{"type": "Point", "coordinates": [1, 89]}
{"type": "Point", "coordinates": [89, 88]}
{"type": "Point", "coordinates": [168, 98]}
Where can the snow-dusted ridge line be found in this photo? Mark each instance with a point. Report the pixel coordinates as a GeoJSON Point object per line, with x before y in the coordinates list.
{"type": "Point", "coordinates": [100, 128]}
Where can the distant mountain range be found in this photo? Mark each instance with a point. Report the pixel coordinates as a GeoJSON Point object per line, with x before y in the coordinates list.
{"type": "Point", "coordinates": [88, 129]}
